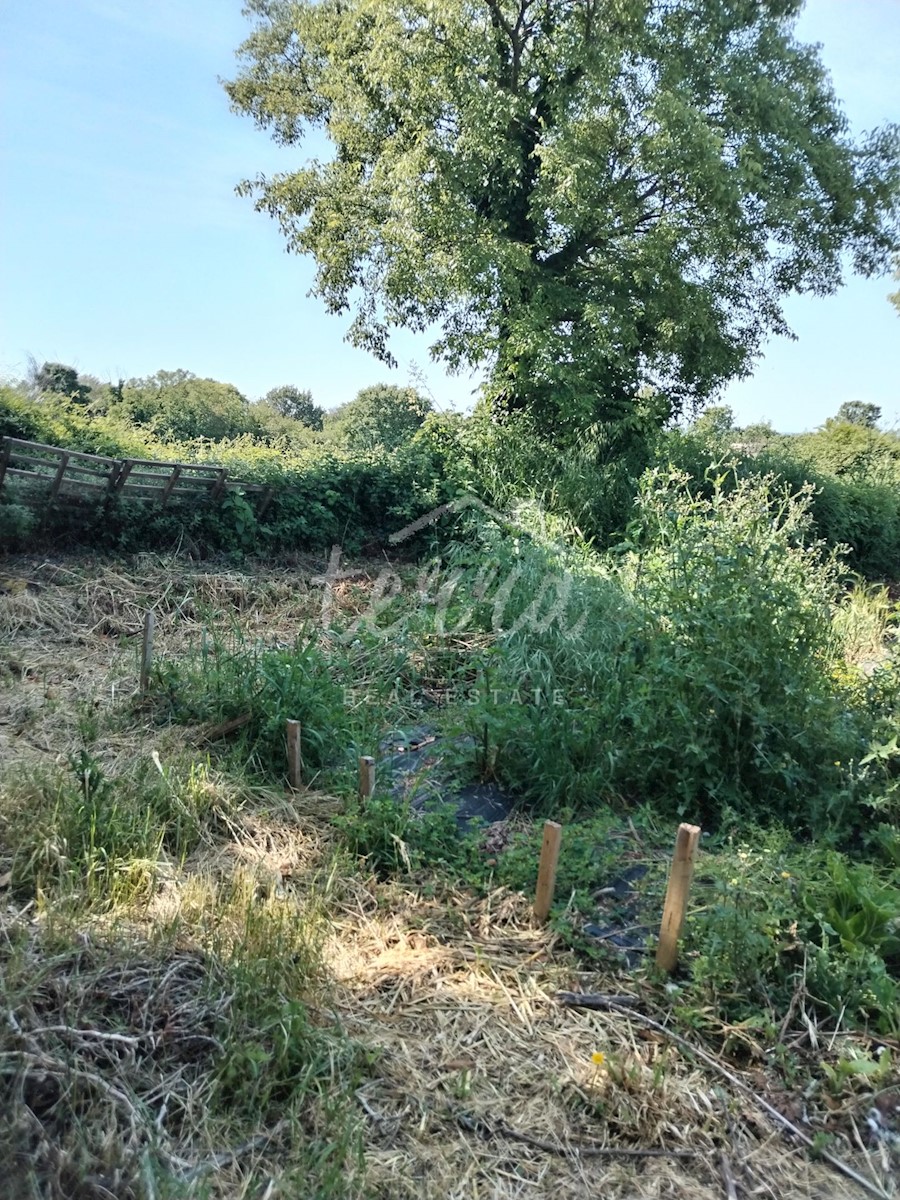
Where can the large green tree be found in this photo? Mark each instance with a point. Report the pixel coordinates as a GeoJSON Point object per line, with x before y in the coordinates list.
{"type": "Point", "coordinates": [177, 406]}
{"type": "Point", "coordinates": [858, 412]}
{"type": "Point", "coordinates": [586, 196]}
{"type": "Point", "coordinates": [380, 417]}
{"type": "Point", "coordinates": [289, 401]}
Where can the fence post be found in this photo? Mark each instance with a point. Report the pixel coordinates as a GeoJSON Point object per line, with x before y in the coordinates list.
{"type": "Point", "coordinates": [677, 892]}
{"type": "Point", "coordinates": [60, 475]}
{"type": "Point", "coordinates": [366, 777]}
{"type": "Point", "coordinates": [5, 457]}
{"type": "Point", "coordinates": [546, 881]}
{"type": "Point", "coordinates": [124, 471]}
{"type": "Point", "coordinates": [294, 755]}
{"type": "Point", "coordinates": [219, 486]}
{"type": "Point", "coordinates": [147, 650]}
{"type": "Point", "coordinates": [167, 490]}
{"type": "Point", "coordinates": [268, 496]}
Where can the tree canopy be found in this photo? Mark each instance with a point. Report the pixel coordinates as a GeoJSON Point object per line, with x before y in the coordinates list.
{"type": "Point", "coordinates": [716, 421]}
{"type": "Point", "coordinates": [177, 406]}
{"type": "Point", "coordinates": [62, 380]}
{"type": "Point", "coordinates": [379, 417]}
{"type": "Point", "coordinates": [289, 401]}
{"type": "Point", "coordinates": [858, 412]}
{"type": "Point", "coordinates": [586, 197]}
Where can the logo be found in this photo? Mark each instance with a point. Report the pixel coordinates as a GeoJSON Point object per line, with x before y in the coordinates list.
{"type": "Point", "coordinates": [454, 506]}
{"type": "Point", "coordinates": [503, 592]}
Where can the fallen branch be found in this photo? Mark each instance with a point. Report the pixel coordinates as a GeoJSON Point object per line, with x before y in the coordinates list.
{"type": "Point", "coordinates": [214, 732]}
{"type": "Point", "coordinates": [123, 1039]}
{"type": "Point", "coordinates": [601, 1000]}
{"type": "Point", "coordinates": [596, 1001]}
{"type": "Point", "coordinates": [227, 1158]}
{"type": "Point", "coordinates": [570, 1149]}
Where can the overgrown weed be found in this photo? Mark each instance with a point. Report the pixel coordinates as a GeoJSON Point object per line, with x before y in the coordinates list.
{"type": "Point", "coordinates": [701, 674]}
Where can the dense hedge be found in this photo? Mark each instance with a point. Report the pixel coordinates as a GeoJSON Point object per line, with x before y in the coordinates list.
{"type": "Point", "coordinates": [322, 495]}
{"type": "Point", "coordinates": [352, 502]}
{"type": "Point", "coordinates": [858, 512]}
{"type": "Point", "coordinates": [855, 502]}
{"type": "Point", "coordinates": [326, 495]}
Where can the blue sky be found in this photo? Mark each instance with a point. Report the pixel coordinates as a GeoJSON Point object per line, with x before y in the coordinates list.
{"type": "Point", "coordinates": [125, 250]}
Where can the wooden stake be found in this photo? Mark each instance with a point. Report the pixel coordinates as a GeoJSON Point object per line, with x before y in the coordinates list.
{"type": "Point", "coordinates": [677, 892]}
{"type": "Point", "coordinates": [294, 755]}
{"type": "Point", "coordinates": [147, 650]}
{"type": "Point", "coordinates": [366, 777]}
{"type": "Point", "coordinates": [547, 870]}
{"type": "Point", "coordinates": [5, 457]}
{"type": "Point", "coordinates": [59, 477]}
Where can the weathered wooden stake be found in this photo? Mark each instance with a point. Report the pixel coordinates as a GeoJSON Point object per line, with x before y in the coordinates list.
{"type": "Point", "coordinates": [366, 777]}
{"type": "Point", "coordinates": [147, 650]}
{"type": "Point", "coordinates": [294, 755]}
{"type": "Point", "coordinates": [546, 881]}
{"type": "Point", "coordinates": [677, 892]}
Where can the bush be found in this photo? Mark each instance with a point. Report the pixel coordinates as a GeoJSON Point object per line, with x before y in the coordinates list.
{"type": "Point", "coordinates": [61, 421]}
{"type": "Point", "coordinates": [854, 506]}
{"type": "Point", "coordinates": [590, 485]}
{"type": "Point", "coordinates": [738, 604]}
{"type": "Point", "coordinates": [697, 668]}
{"type": "Point", "coordinates": [770, 918]}
{"type": "Point", "coordinates": [321, 496]}
{"type": "Point", "coordinates": [17, 525]}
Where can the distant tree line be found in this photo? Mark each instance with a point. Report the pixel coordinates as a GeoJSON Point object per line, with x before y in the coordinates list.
{"type": "Point", "coordinates": [382, 459]}
{"type": "Point", "coordinates": [178, 406]}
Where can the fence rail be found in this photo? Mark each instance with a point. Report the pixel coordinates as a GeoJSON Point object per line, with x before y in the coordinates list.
{"type": "Point", "coordinates": [44, 474]}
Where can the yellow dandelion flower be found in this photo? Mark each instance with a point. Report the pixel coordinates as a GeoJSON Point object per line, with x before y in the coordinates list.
{"type": "Point", "coordinates": [785, 874]}
{"type": "Point", "coordinates": [598, 1058]}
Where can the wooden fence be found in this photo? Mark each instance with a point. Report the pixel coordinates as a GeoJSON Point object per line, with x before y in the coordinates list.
{"type": "Point", "coordinates": [46, 474]}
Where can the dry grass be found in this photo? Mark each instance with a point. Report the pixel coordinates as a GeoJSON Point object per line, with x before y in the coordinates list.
{"type": "Point", "coordinates": [466, 1043]}
{"type": "Point", "coordinates": [70, 639]}
{"type": "Point", "coordinates": [109, 1055]}
{"type": "Point", "coordinates": [459, 998]}
{"type": "Point", "coordinates": [472, 1080]}
{"type": "Point", "coordinates": [867, 624]}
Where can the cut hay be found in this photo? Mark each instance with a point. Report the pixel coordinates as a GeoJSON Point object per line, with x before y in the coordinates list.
{"type": "Point", "coordinates": [487, 1087]}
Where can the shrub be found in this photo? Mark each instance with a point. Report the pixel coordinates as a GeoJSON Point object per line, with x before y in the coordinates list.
{"type": "Point", "coordinates": [852, 482]}
{"type": "Point", "coordinates": [17, 526]}
{"type": "Point", "coordinates": [744, 711]}
{"type": "Point", "coordinates": [321, 496]}
{"type": "Point", "coordinates": [768, 919]}
{"type": "Point", "coordinates": [697, 669]}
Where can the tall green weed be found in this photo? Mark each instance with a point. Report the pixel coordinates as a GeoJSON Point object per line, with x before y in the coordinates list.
{"type": "Point", "coordinates": [698, 667]}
